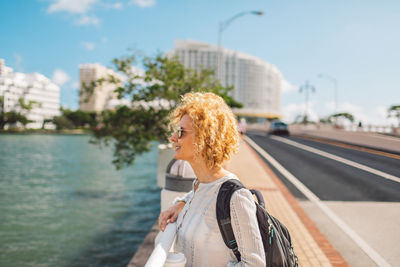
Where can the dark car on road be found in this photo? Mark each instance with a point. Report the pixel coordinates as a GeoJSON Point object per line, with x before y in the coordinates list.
{"type": "Point", "coordinates": [278, 128]}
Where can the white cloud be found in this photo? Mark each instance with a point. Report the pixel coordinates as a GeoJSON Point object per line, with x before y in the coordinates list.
{"type": "Point", "coordinates": [330, 106]}
{"type": "Point", "coordinates": [382, 111]}
{"type": "Point", "coordinates": [75, 85]}
{"type": "Point", "coordinates": [79, 9]}
{"type": "Point", "coordinates": [292, 111]}
{"type": "Point", "coordinates": [71, 6]}
{"type": "Point", "coordinates": [287, 87]}
{"type": "Point", "coordinates": [60, 77]}
{"type": "Point", "coordinates": [144, 3]}
{"type": "Point", "coordinates": [18, 62]}
{"type": "Point", "coordinates": [117, 5]}
{"type": "Point", "coordinates": [351, 108]}
{"type": "Point", "coordinates": [87, 20]}
{"type": "Point", "coordinates": [382, 115]}
{"type": "Point", "coordinates": [343, 107]}
{"type": "Point", "coordinates": [88, 45]}
{"type": "Point", "coordinates": [376, 116]}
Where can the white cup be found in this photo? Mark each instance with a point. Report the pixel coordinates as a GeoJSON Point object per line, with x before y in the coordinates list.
{"type": "Point", "coordinates": [175, 259]}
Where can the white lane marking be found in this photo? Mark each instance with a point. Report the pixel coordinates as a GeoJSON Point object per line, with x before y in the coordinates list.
{"type": "Point", "coordinates": [311, 196]}
{"type": "Point", "coordinates": [339, 159]}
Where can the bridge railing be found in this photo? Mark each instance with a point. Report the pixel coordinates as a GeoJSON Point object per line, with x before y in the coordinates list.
{"type": "Point", "coordinates": [161, 249]}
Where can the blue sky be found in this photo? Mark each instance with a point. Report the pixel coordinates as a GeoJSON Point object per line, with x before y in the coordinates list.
{"type": "Point", "coordinates": [356, 42]}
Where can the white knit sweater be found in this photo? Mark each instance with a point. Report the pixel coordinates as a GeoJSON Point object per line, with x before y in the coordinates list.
{"type": "Point", "coordinates": [199, 237]}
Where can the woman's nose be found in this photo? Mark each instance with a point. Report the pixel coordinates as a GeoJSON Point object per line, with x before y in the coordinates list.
{"type": "Point", "coordinates": [173, 138]}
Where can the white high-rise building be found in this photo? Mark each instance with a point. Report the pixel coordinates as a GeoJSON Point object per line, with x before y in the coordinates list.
{"type": "Point", "coordinates": [257, 84]}
{"type": "Point", "coordinates": [16, 86]}
{"type": "Point", "coordinates": [101, 96]}
{"type": "Point", "coordinates": [3, 68]}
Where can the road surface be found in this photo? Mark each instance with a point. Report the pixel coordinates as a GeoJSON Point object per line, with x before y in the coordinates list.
{"type": "Point", "coordinates": [361, 188]}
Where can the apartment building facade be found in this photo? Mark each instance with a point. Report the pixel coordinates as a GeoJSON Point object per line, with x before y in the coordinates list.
{"type": "Point", "coordinates": [29, 87]}
{"type": "Point", "coordinates": [257, 83]}
{"type": "Point", "coordinates": [103, 95]}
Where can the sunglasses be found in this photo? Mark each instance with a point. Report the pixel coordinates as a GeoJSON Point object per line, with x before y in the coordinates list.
{"type": "Point", "coordinates": [180, 131]}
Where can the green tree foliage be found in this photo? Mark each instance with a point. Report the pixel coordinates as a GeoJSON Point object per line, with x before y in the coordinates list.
{"type": "Point", "coordinates": [74, 119]}
{"type": "Point", "coordinates": [345, 115]}
{"type": "Point", "coordinates": [326, 120]}
{"type": "Point", "coordinates": [394, 111]}
{"type": "Point", "coordinates": [28, 106]}
{"type": "Point", "coordinates": [12, 117]}
{"type": "Point", "coordinates": [62, 123]}
{"type": "Point", "coordinates": [45, 121]}
{"type": "Point", "coordinates": [2, 119]}
{"type": "Point", "coordinates": [305, 120]}
{"type": "Point", "coordinates": [80, 118]}
{"type": "Point", "coordinates": [132, 128]}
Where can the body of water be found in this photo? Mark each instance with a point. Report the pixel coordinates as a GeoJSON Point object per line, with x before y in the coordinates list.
{"type": "Point", "coordinates": [62, 203]}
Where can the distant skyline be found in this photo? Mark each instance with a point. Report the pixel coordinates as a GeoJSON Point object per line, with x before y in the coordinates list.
{"type": "Point", "coordinates": [356, 42]}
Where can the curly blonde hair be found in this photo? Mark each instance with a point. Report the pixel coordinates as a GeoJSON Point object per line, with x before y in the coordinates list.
{"type": "Point", "coordinates": [215, 126]}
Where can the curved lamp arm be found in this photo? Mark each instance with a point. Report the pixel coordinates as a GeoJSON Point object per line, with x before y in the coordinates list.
{"type": "Point", "coordinates": [226, 23]}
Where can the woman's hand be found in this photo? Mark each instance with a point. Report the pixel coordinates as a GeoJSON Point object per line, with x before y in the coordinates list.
{"type": "Point", "coordinates": [170, 214]}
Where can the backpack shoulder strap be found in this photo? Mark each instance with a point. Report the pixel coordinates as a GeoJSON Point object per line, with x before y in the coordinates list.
{"type": "Point", "coordinates": [224, 213]}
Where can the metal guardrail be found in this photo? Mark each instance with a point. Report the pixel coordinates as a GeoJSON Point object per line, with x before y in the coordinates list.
{"type": "Point", "coordinates": [160, 252]}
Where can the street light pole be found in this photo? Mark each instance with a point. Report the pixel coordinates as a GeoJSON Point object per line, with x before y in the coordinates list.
{"type": "Point", "coordinates": [222, 26]}
{"type": "Point", "coordinates": [307, 88]}
{"type": "Point", "coordinates": [335, 84]}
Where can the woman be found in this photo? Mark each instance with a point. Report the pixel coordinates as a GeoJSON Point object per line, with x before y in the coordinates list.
{"type": "Point", "coordinates": [206, 138]}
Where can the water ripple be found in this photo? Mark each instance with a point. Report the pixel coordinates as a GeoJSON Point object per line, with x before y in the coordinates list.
{"type": "Point", "coordinates": [62, 203]}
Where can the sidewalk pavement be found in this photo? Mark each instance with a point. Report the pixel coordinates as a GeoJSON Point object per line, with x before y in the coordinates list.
{"type": "Point", "coordinates": [310, 245]}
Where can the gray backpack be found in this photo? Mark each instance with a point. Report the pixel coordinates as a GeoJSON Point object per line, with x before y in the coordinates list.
{"type": "Point", "coordinates": [275, 236]}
